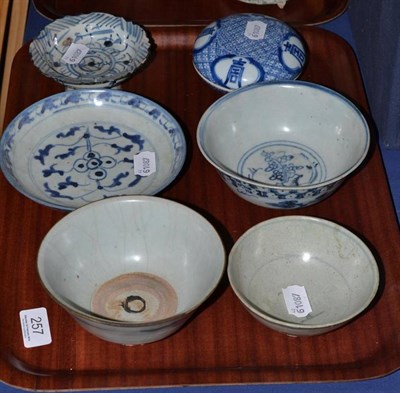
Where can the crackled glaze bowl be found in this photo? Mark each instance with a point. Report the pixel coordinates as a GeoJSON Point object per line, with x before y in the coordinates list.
{"type": "Point", "coordinates": [284, 145]}
{"type": "Point", "coordinates": [93, 50]}
{"type": "Point", "coordinates": [301, 275]}
{"type": "Point", "coordinates": [133, 269]}
{"type": "Point", "coordinates": [243, 49]}
{"type": "Point", "coordinates": [80, 146]}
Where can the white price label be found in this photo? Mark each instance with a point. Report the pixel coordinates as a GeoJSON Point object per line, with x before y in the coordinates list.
{"type": "Point", "coordinates": [144, 163]}
{"type": "Point", "coordinates": [35, 327]}
{"type": "Point", "coordinates": [75, 53]}
{"type": "Point", "coordinates": [296, 300]}
{"type": "Point", "coordinates": [255, 30]}
{"type": "Point", "coordinates": [281, 3]}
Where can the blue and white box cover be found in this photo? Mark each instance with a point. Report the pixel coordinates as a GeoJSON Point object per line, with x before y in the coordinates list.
{"type": "Point", "coordinates": [243, 49]}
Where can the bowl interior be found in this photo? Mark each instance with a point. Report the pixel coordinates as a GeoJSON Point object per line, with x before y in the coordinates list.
{"type": "Point", "coordinates": [336, 269]}
{"type": "Point", "coordinates": [284, 134]}
{"type": "Point", "coordinates": [145, 254]}
{"type": "Point", "coordinates": [81, 146]}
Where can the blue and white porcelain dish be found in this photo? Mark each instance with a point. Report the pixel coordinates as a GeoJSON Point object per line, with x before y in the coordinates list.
{"type": "Point", "coordinates": [284, 145]}
{"type": "Point", "coordinates": [81, 146]}
{"type": "Point", "coordinates": [243, 49]}
{"type": "Point", "coordinates": [93, 50]}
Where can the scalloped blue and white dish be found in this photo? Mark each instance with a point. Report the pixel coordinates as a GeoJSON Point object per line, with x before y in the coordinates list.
{"type": "Point", "coordinates": [284, 145]}
{"type": "Point", "coordinates": [243, 49]}
{"type": "Point", "coordinates": [81, 146]}
{"type": "Point", "coordinates": [95, 50]}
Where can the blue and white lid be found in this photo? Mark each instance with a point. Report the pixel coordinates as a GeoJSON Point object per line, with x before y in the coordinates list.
{"type": "Point", "coordinates": [243, 49]}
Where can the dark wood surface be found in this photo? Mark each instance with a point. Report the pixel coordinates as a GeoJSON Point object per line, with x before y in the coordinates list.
{"type": "Point", "coordinates": [222, 344]}
{"type": "Point", "coordinates": [178, 12]}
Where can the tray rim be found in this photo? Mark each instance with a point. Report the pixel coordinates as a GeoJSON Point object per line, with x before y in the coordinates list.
{"type": "Point", "coordinates": [233, 384]}
{"type": "Point", "coordinates": [342, 6]}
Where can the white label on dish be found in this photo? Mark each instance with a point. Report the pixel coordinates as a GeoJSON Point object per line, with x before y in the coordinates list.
{"type": "Point", "coordinates": [75, 53]}
{"type": "Point", "coordinates": [255, 30]}
{"type": "Point", "coordinates": [35, 327]}
{"type": "Point", "coordinates": [296, 300]}
{"type": "Point", "coordinates": [144, 163]}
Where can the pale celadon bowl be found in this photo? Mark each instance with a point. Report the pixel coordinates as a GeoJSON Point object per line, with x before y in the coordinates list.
{"type": "Point", "coordinates": [337, 271]}
{"type": "Point", "coordinates": [131, 270]}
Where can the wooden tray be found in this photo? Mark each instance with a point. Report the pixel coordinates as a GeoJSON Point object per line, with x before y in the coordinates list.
{"type": "Point", "coordinates": [222, 344]}
{"type": "Point", "coordinates": [178, 12]}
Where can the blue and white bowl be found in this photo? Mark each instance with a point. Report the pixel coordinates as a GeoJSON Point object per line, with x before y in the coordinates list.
{"type": "Point", "coordinates": [94, 50]}
{"type": "Point", "coordinates": [243, 49]}
{"type": "Point", "coordinates": [80, 146]}
{"type": "Point", "coordinates": [284, 145]}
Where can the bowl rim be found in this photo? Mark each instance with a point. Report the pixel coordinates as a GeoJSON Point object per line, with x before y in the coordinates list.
{"type": "Point", "coordinates": [87, 315]}
{"type": "Point", "coordinates": [282, 84]}
{"type": "Point", "coordinates": [305, 219]}
{"type": "Point", "coordinates": [9, 132]}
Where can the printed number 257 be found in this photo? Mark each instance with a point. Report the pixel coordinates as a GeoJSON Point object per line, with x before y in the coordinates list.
{"type": "Point", "coordinates": [37, 326]}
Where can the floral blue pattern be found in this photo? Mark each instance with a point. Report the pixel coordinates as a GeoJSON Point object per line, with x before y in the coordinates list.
{"type": "Point", "coordinates": [283, 163]}
{"type": "Point", "coordinates": [278, 198]}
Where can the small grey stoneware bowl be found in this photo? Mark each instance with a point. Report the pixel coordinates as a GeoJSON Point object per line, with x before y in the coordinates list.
{"type": "Point", "coordinates": [301, 275]}
{"type": "Point", "coordinates": [131, 270]}
{"type": "Point", "coordinates": [80, 146]}
{"type": "Point", "coordinates": [242, 49]}
{"type": "Point", "coordinates": [95, 50]}
{"type": "Point", "coordinates": [284, 145]}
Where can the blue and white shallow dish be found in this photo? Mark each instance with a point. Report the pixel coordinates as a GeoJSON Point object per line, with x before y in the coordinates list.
{"type": "Point", "coordinates": [94, 50]}
{"type": "Point", "coordinates": [80, 146]}
{"type": "Point", "coordinates": [284, 145]}
{"type": "Point", "coordinates": [243, 49]}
